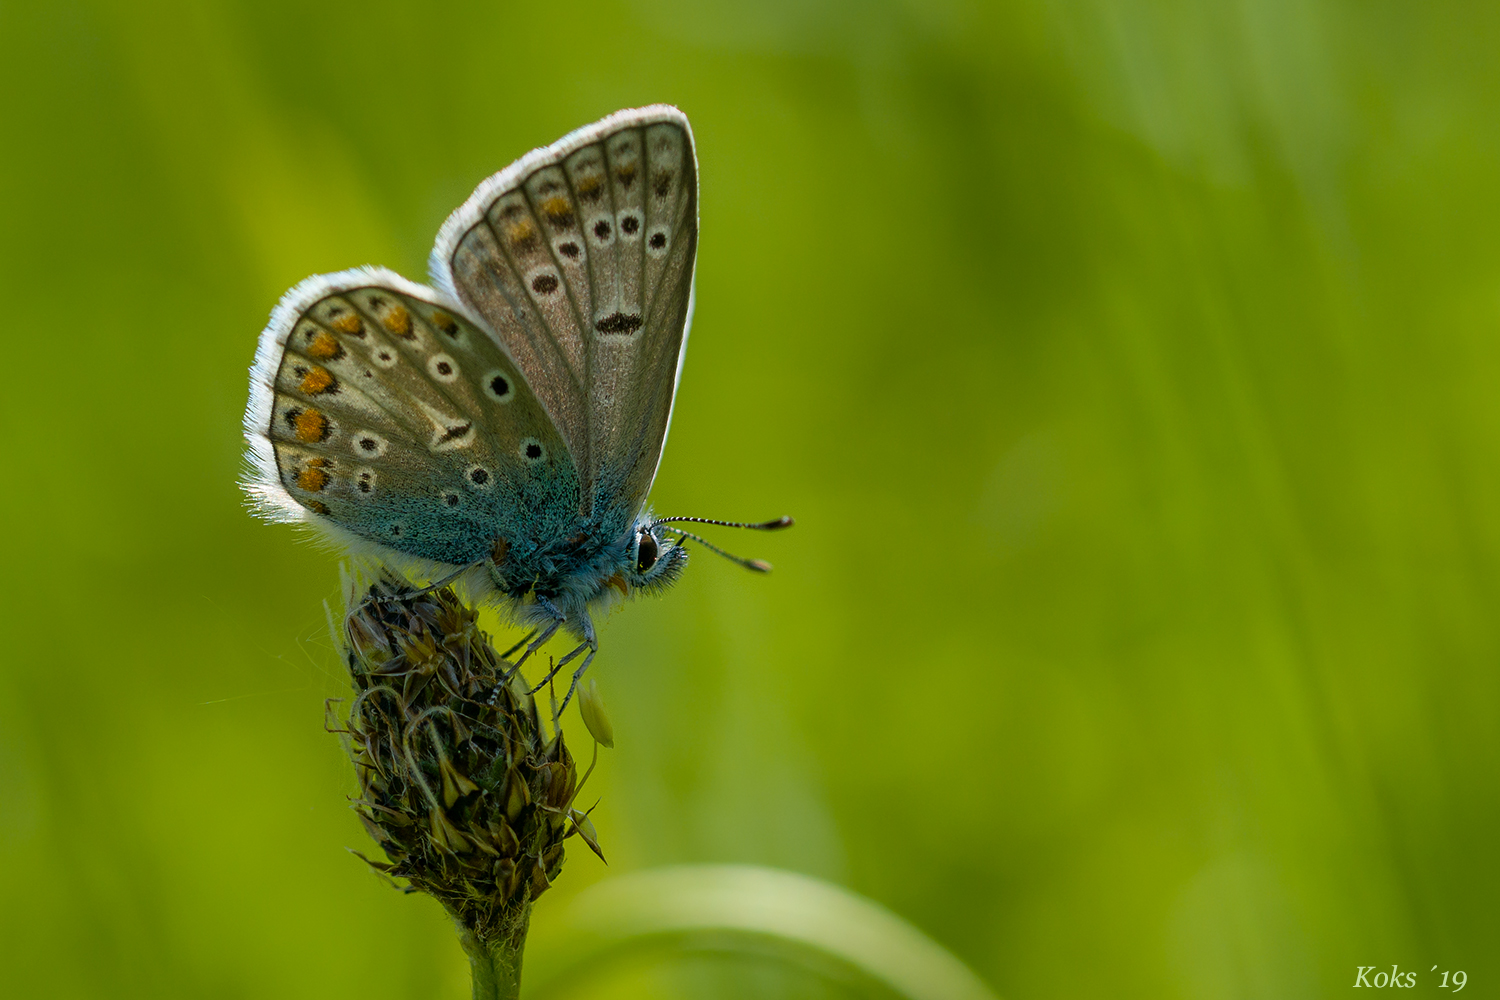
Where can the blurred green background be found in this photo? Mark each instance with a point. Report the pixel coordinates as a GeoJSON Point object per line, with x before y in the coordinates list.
{"type": "Point", "coordinates": [1131, 369]}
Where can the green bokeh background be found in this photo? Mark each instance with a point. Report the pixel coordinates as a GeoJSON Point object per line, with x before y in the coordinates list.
{"type": "Point", "coordinates": [1132, 369]}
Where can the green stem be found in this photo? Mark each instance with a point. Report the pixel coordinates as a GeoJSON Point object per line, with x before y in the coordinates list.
{"type": "Point", "coordinates": [496, 963]}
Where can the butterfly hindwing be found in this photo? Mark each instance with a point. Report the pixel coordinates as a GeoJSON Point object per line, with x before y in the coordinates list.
{"type": "Point", "coordinates": [383, 412]}
{"type": "Point", "coordinates": [580, 257]}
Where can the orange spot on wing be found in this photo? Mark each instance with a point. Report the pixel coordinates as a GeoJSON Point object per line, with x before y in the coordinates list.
{"type": "Point", "coordinates": [313, 478]}
{"type": "Point", "coordinates": [398, 320]}
{"type": "Point", "coordinates": [588, 187]}
{"type": "Point", "coordinates": [347, 323]}
{"type": "Point", "coordinates": [324, 347]}
{"type": "Point", "coordinates": [522, 233]}
{"type": "Point", "coordinates": [444, 322]}
{"type": "Point", "coordinates": [311, 426]}
{"type": "Point", "coordinates": [559, 211]}
{"type": "Point", "coordinates": [318, 380]}
{"type": "Point", "coordinates": [317, 506]}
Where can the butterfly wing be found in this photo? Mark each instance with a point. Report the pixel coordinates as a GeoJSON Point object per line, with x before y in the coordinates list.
{"type": "Point", "coordinates": [580, 257]}
{"type": "Point", "coordinates": [381, 412]}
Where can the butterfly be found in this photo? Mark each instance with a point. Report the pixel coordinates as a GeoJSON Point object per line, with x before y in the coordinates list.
{"type": "Point", "coordinates": [506, 424]}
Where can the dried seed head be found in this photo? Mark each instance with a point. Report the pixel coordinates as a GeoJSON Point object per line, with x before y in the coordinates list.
{"type": "Point", "coordinates": [461, 785]}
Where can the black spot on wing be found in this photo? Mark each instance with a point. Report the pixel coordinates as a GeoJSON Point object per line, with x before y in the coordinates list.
{"type": "Point", "coordinates": [618, 323]}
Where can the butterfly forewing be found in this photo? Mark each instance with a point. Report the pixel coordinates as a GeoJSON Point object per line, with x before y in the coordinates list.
{"type": "Point", "coordinates": [580, 257]}
{"type": "Point", "coordinates": [394, 418]}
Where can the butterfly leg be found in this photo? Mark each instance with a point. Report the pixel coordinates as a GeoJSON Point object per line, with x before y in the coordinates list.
{"type": "Point", "coordinates": [557, 622]}
{"type": "Point", "coordinates": [541, 640]}
{"type": "Point", "coordinates": [436, 585]}
{"type": "Point", "coordinates": [589, 645]}
{"type": "Point", "coordinates": [577, 675]}
{"type": "Point", "coordinates": [524, 640]}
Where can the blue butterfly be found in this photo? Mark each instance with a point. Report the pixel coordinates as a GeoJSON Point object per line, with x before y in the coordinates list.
{"type": "Point", "coordinates": [506, 425]}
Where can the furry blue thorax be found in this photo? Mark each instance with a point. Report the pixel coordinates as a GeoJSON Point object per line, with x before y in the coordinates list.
{"type": "Point", "coordinates": [582, 570]}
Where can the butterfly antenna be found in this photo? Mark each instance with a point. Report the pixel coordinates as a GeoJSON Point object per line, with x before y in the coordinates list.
{"type": "Point", "coordinates": [759, 565]}
{"type": "Point", "coordinates": [779, 523]}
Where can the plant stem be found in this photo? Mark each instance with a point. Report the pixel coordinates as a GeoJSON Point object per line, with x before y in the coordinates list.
{"type": "Point", "coordinates": [495, 964]}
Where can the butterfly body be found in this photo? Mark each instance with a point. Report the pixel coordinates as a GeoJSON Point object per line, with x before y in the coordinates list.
{"type": "Point", "coordinates": [506, 423]}
{"type": "Point", "coordinates": [569, 575]}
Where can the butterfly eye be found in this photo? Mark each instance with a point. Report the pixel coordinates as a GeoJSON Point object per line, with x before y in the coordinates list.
{"type": "Point", "coordinates": [646, 552]}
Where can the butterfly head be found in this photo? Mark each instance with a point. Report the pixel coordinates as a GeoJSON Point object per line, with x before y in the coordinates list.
{"type": "Point", "coordinates": [654, 561]}
{"type": "Point", "coordinates": [652, 552]}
